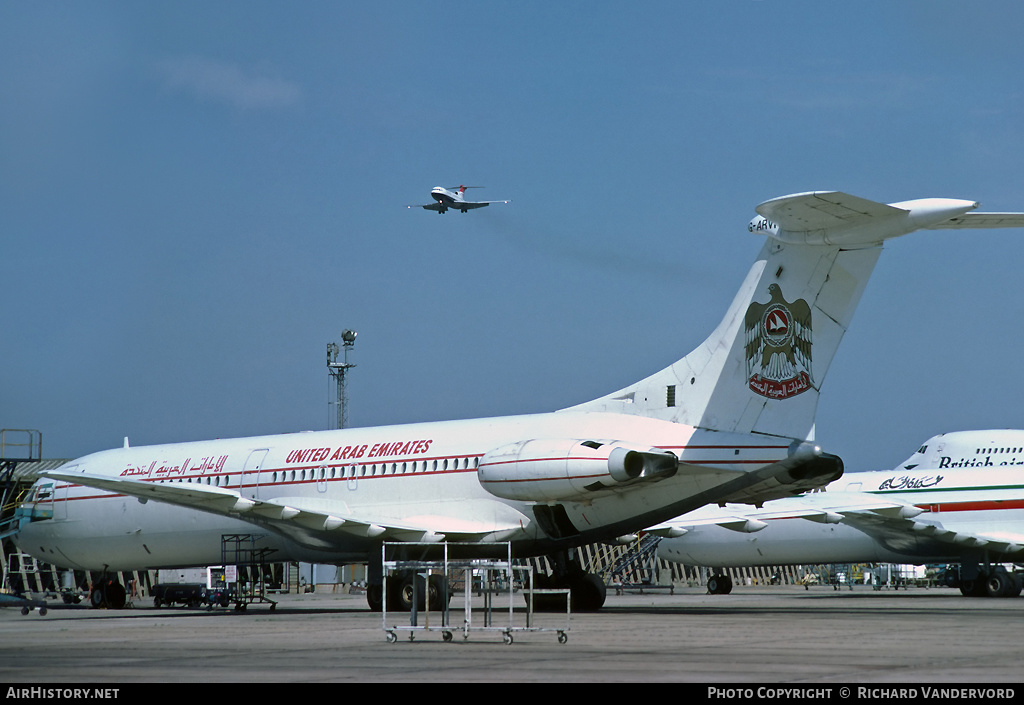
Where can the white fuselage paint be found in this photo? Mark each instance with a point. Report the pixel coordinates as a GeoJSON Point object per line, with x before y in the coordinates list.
{"type": "Point", "coordinates": [970, 483]}
{"type": "Point", "coordinates": [395, 472]}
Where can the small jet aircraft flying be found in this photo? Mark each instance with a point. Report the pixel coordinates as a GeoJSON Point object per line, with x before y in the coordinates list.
{"type": "Point", "coordinates": [728, 422]}
{"type": "Point", "coordinates": [453, 197]}
{"type": "Point", "coordinates": [958, 499]}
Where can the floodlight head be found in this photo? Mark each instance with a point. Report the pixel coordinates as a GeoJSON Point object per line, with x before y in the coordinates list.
{"type": "Point", "coordinates": [348, 336]}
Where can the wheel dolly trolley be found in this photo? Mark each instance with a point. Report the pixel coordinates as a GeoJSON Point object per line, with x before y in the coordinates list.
{"type": "Point", "coordinates": [493, 579]}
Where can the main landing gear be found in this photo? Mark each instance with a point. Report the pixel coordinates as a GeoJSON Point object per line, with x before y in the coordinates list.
{"type": "Point", "coordinates": [587, 591]}
{"type": "Point", "coordinates": [431, 592]}
{"type": "Point", "coordinates": [985, 581]}
{"type": "Point", "coordinates": [719, 584]}
{"type": "Point", "coordinates": [107, 592]}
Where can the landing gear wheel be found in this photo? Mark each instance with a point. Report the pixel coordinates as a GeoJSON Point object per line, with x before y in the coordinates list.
{"type": "Point", "coordinates": [1001, 583]}
{"type": "Point", "coordinates": [996, 584]}
{"type": "Point", "coordinates": [114, 594]}
{"type": "Point", "coordinates": [719, 585]}
{"type": "Point", "coordinates": [375, 597]}
{"type": "Point", "coordinates": [973, 587]}
{"type": "Point", "coordinates": [437, 592]}
{"type": "Point", "coordinates": [432, 592]}
{"type": "Point", "coordinates": [405, 593]}
{"type": "Point", "coordinates": [588, 592]}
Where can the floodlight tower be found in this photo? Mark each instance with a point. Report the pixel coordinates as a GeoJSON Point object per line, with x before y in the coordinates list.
{"type": "Point", "coordinates": [337, 371]}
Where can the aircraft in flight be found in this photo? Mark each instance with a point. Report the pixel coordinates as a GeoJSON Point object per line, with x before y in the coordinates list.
{"type": "Point", "coordinates": [958, 499]}
{"type": "Point", "coordinates": [726, 423]}
{"type": "Point", "coordinates": [453, 197]}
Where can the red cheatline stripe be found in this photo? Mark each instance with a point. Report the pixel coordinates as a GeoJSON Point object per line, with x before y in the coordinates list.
{"type": "Point", "coordinates": [978, 506]}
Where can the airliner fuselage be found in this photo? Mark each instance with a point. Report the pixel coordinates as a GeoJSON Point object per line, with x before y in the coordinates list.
{"type": "Point", "coordinates": [401, 477]}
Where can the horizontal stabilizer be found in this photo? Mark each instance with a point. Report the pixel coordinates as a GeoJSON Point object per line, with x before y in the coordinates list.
{"type": "Point", "coordinates": [823, 210]}
{"type": "Point", "coordinates": [982, 220]}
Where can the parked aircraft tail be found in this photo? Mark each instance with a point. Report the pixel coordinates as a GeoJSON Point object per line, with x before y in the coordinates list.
{"type": "Point", "coordinates": [761, 370]}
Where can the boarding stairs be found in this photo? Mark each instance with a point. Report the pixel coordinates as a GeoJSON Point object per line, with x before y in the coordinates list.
{"type": "Point", "coordinates": [636, 569]}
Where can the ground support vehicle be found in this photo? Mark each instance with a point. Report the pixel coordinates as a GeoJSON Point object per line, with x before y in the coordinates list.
{"type": "Point", "coordinates": [189, 594]}
{"type": "Point", "coordinates": [26, 604]}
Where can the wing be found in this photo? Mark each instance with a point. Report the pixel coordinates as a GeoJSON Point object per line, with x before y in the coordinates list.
{"type": "Point", "coordinates": [811, 507]}
{"type": "Point", "coordinates": [822, 210]}
{"type": "Point", "coordinates": [893, 523]}
{"type": "Point", "coordinates": [313, 521]}
{"type": "Point", "coordinates": [905, 528]}
{"type": "Point", "coordinates": [478, 204]}
{"type": "Point", "coordinates": [429, 206]}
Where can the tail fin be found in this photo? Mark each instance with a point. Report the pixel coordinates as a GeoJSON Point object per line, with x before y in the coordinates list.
{"type": "Point", "coordinates": [761, 370]}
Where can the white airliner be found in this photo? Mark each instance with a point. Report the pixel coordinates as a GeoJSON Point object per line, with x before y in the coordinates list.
{"type": "Point", "coordinates": [959, 498]}
{"type": "Point", "coordinates": [733, 421]}
{"type": "Point", "coordinates": [453, 197]}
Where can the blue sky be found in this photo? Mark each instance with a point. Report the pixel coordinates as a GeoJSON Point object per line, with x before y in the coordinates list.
{"type": "Point", "coordinates": [196, 197]}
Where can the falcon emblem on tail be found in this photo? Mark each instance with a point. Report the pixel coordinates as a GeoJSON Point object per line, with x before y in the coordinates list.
{"type": "Point", "coordinates": [778, 346]}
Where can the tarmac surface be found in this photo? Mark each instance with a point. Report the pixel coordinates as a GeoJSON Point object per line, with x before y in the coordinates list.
{"type": "Point", "coordinates": [756, 635]}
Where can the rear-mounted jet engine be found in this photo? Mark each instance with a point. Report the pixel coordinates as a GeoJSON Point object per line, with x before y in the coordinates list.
{"type": "Point", "coordinates": [544, 470]}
